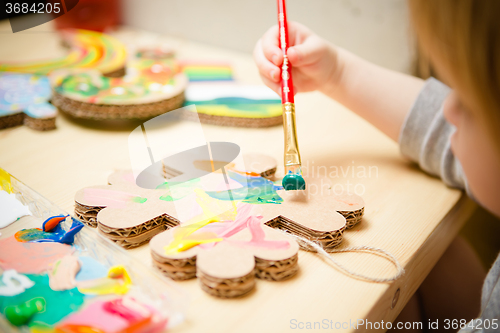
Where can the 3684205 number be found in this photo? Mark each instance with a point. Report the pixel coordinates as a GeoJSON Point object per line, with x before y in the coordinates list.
{"type": "Point", "coordinates": [17, 8]}
{"type": "Point", "coordinates": [473, 324]}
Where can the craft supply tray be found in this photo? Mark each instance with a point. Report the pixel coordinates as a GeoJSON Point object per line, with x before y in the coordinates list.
{"type": "Point", "coordinates": [154, 290]}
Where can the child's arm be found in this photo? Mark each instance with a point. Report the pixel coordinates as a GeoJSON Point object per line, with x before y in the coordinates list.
{"type": "Point", "coordinates": [381, 96]}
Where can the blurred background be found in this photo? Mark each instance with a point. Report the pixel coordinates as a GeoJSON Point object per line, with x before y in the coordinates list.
{"type": "Point", "coordinates": [376, 30]}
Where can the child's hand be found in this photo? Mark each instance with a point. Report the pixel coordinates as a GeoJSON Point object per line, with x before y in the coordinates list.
{"type": "Point", "coordinates": [314, 61]}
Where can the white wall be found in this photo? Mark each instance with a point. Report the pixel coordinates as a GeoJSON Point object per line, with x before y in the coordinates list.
{"type": "Point", "coordinates": [374, 29]}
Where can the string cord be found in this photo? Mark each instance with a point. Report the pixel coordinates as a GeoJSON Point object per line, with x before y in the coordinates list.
{"type": "Point", "coordinates": [374, 250]}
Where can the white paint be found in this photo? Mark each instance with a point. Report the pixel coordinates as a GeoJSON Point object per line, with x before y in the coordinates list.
{"type": "Point", "coordinates": [11, 209]}
{"type": "Point", "coordinates": [14, 283]}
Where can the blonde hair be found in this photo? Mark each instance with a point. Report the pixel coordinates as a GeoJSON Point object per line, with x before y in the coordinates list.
{"type": "Point", "coordinates": [462, 37]}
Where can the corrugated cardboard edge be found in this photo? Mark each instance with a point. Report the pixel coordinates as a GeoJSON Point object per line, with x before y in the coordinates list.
{"type": "Point", "coordinates": [38, 124]}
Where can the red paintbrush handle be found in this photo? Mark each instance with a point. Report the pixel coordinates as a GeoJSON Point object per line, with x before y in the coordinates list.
{"type": "Point", "coordinates": [286, 68]}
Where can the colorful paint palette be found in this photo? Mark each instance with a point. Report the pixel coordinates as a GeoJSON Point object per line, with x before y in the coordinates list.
{"type": "Point", "coordinates": [47, 285]}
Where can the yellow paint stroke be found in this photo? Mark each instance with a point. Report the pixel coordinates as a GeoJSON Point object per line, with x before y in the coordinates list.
{"type": "Point", "coordinates": [117, 282]}
{"type": "Point", "coordinates": [44, 329]}
{"type": "Point", "coordinates": [5, 183]}
{"type": "Point", "coordinates": [207, 204]}
{"type": "Point", "coordinates": [182, 240]}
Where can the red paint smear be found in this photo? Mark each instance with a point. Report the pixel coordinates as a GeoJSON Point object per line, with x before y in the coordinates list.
{"type": "Point", "coordinates": [258, 237]}
{"type": "Point", "coordinates": [231, 228]}
{"type": "Point", "coordinates": [243, 220]}
{"type": "Point", "coordinates": [30, 258]}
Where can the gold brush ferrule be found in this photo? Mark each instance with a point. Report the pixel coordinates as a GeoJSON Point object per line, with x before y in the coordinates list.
{"type": "Point", "coordinates": [292, 155]}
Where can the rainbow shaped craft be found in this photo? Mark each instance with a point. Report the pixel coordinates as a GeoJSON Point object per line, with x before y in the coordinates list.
{"type": "Point", "coordinates": [207, 71]}
{"type": "Point", "coordinates": [234, 104]}
{"type": "Point", "coordinates": [88, 50]}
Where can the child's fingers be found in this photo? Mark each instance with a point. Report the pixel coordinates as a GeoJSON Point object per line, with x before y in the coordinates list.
{"type": "Point", "coordinates": [270, 46]}
{"type": "Point", "coordinates": [310, 51]}
{"type": "Point", "coordinates": [266, 68]}
{"type": "Point", "coordinates": [271, 84]}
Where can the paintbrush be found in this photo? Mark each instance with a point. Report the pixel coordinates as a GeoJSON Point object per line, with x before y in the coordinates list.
{"type": "Point", "coordinates": [293, 179]}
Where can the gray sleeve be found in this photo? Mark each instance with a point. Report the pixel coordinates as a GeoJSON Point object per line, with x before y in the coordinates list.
{"type": "Point", "coordinates": [425, 135]}
{"type": "Point", "coordinates": [489, 319]}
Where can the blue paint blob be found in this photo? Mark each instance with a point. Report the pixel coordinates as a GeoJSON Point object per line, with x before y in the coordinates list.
{"type": "Point", "coordinates": [255, 190]}
{"type": "Point", "coordinates": [56, 234]}
{"type": "Point", "coordinates": [293, 182]}
{"type": "Point", "coordinates": [90, 269]}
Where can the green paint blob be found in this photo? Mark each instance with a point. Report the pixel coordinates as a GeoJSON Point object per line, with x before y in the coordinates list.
{"type": "Point", "coordinates": [139, 199]}
{"type": "Point", "coordinates": [293, 182]}
{"type": "Point", "coordinates": [166, 197]}
{"type": "Point", "coordinates": [176, 191]}
{"type": "Point", "coordinates": [20, 314]}
{"type": "Point", "coordinates": [82, 84]}
{"type": "Point", "coordinates": [58, 304]}
{"type": "Point", "coordinates": [255, 190]}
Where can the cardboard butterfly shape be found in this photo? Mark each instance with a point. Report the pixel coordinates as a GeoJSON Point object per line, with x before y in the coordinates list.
{"type": "Point", "coordinates": [227, 257]}
{"type": "Point", "coordinates": [130, 215]}
{"type": "Point", "coordinates": [124, 212]}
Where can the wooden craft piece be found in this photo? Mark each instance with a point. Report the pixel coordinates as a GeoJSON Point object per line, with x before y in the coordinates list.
{"type": "Point", "coordinates": [234, 105]}
{"type": "Point", "coordinates": [228, 268]}
{"type": "Point", "coordinates": [123, 212]}
{"type": "Point", "coordinates": [150, 88]}
{"type": "Point", "coordinates": [24, 100]}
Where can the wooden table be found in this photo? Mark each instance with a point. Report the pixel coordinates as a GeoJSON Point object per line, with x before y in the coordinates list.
{"type": "Point", "coordinates": [408, 213]}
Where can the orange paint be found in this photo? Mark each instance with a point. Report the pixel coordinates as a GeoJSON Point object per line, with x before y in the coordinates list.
{"type": "Point", "coordinates": [52, 222]}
